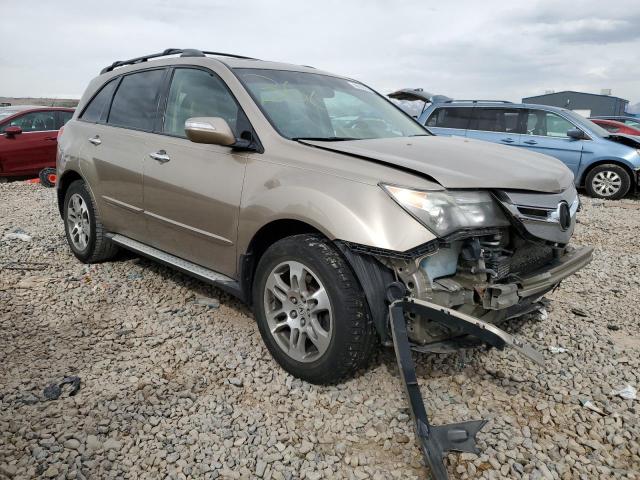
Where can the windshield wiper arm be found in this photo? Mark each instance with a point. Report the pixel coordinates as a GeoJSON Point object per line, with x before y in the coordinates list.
{"type": "Point", "coordinates": [325, 139]}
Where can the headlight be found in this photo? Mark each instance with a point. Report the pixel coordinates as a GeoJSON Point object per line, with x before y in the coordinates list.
{"type": "Point", "coordinates": [443, 212]}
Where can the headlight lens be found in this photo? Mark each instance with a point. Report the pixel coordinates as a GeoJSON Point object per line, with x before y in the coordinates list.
{"type": "Point", "coordinates": [444, 212]}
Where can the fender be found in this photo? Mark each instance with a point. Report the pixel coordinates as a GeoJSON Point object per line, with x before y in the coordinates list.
{"type": "Point", "coordinates": [337, 207]}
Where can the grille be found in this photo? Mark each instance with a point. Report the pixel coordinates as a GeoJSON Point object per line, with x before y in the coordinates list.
{"type": "Point", "coordinates": [530, 257]}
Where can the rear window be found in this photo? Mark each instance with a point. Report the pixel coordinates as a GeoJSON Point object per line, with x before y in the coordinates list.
{"type": "Point", "coordinates": [136, 101]}
{"type": "Point", "coordinates": [496, 120]}
{"type": "Point", "coordinates": [98, 107]}
{"type": "Point", "coordinates": [451, 117]}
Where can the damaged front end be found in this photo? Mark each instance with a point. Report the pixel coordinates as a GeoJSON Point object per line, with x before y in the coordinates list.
{"type": "Point", "coordinates": [453, 291]}
{"type": "Point", "coordinates": [496, 271]}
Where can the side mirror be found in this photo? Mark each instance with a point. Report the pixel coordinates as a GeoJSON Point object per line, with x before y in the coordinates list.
{"type": "Point", "coordinates": [576, 134]}
{"type": "Point", "coordinates": [12, 131]}
{"type": "Point", "coordinates": [212, 130]}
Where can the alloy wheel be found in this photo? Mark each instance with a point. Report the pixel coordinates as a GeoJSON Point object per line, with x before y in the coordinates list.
{"type": "Point", "coordinates": [78, 222]}
{"type": "Point", "coordinates": [298, 311]}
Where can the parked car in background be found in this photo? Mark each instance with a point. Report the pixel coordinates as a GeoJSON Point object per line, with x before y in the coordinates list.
{"type": "Point", "coordinates": [606, 164]}
{"type": "Point", "coordinates": [630, 121]}
{"type": "Point", "coordinates": [28, 138]}
{"type": "Point", "coordinates": [614, 126]}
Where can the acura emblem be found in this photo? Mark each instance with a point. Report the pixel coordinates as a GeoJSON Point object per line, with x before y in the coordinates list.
{"type": "Point", "coordinates": [564, 215]}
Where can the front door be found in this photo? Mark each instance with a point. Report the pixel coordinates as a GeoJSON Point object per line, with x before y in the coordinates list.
{"type": "Point", "coordinates": [546, 132]}
{"type": "Point", "coordinates": [32, 150]}
{"type": "Point", "coordinates": [192, 191]}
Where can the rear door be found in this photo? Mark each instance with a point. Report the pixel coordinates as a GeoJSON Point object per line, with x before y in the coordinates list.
{"type": "Point", "coordinates": [114, 128]}
{"type": "Point", "coordinates": [450, 121]}
{"type": "Point", "coordinates": [32, 150]}
{"type": "Point", "coordinates": [546, 132]}
{"type": "Point", "coordinates": [192, 190]}
{"type": "Point", "coordinates": [496, 124]}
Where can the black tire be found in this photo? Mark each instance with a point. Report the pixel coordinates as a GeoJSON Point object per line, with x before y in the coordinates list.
{"type": "Point", "coordinates": [608, 169]}
{"type": "Point", "coordinates": [45, 175]}
{"type": "Point", "coordinates": [98, 247]}
{"type": "Point", "coordinates": [353, 338]}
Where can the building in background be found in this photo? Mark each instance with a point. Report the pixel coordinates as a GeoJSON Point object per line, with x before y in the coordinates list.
{"type": "Point", "coordinates": [586, 104]}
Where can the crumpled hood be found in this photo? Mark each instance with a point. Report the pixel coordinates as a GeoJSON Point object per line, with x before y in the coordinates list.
{"type": "Point", "coordinates": [456, 162]}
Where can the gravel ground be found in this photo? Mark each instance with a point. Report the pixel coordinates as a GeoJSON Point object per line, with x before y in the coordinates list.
{"type": "Point", "coordinates": [174, 388]}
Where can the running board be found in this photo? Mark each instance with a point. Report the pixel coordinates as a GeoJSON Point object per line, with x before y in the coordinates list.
{"type": "Point", "coordinates": [201, 273]}
{"type": "Point", "coordinates": [436, 441]}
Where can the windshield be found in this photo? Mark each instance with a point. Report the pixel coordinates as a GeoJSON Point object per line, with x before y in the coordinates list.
{"type": "Point", "coordinates": [586, 123]}
{"type": "Point", "coordinates": [320, 107]}
{"type": "Point", "coordinates": [7, 113]}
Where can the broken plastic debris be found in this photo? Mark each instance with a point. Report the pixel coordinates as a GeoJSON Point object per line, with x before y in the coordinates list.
{"type": "Point", "coordinates": [591, 406]}
{"type": "Point", "coordinates": [207, 302]}
{"type": "Point", "coordinates": [628, 393]}
{"type": "Point", "coordinates": [53, 391]}
{"type": "Point", "coordinates": [553, 349]}
{"type": "Point", "coordinates": [543, 314]}
{"type": "Point", "coordinates": [17, 236]}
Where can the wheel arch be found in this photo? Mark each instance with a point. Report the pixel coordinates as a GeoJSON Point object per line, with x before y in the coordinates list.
{"type": "Point", "coordinates": [63, 184]}
{"type": "Point", "coordinates": [619, 163]}
{"type": "Point", "coordinates": [266, 236]}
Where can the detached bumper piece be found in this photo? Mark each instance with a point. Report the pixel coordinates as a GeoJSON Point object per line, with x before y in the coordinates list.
{"type": "Point", "coordinates": [436, 441]}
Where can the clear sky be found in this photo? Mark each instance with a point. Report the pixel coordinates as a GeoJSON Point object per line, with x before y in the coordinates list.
{"type": "Point", "coordinates": [461, 48]}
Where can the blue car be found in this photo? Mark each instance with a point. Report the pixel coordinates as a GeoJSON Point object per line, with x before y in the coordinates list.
{"type": "Point", "coordinates": [607, 165]}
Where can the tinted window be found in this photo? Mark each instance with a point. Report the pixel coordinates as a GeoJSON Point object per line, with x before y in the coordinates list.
{"type": "Point", "coordinates": [35, 122]}
{"type": "Point", "coordinates": [547, 124]}
{"type": "Point", "coordinates": [136, 100]}
{"type": "Point", "coordinates": [63, 117]}
{"type": "Point", "coordinates": [632, 123]}
{"type": "Point", "coordinates": [451, 117]}
{"type": "Point", "coordinates": [496, 120]}
{"type": "Point", "coordinates": [609, 128]}
{"type": "Point", "coordinates": [97, 109]}
{"type": "Point", "coordinates": [197, 93]}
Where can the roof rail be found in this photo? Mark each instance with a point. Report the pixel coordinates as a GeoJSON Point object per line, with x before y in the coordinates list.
{"type": "Point", "coordinates": [186, 52]}
{"type": "Point", "coordinates": [480, 101]}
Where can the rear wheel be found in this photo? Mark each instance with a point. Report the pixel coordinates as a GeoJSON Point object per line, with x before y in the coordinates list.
{"type": "Point", "coordinates": [48, 177]}
{"type": "Point", "coordinates": [311, 311]}
{"type": "Point", "coordinates": [83, 228]}
{"type": "Point", "coordinates": [608, 181]}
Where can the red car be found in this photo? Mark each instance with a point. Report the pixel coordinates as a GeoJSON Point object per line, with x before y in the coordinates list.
{"type": "Point", "coordinates": [28, 138]}
{"type": "Point", "coordinates": [614, 126]}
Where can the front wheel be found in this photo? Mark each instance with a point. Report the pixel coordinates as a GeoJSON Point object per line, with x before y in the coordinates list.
{"type": "Point", "coordinates": [608, 181]}
{"type": "Point", "coordinates": [311, 311]}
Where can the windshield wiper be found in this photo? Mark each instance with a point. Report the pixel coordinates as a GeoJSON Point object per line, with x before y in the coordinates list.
{"type": "Point", "coordinates": [325, 139]}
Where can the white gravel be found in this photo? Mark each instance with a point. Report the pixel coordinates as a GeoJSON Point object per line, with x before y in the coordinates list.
{"type": "Point", "coordinates": [176, 387]}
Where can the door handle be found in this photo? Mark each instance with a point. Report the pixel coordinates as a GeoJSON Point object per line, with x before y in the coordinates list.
{"type": "Point", "coordinates": [50, 138]}
{"type": "Point", "coordinates": [530, 142]}
{"type": "Point", "coordinates": [95, 140]}
{"type": "Point", "coordinates": [507, 140]}
{"type": "Point", "coordinates": [160, 156]}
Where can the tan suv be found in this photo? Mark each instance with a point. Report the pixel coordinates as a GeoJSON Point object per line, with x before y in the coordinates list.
{"type": "Point", "coordinates": [315, 200]}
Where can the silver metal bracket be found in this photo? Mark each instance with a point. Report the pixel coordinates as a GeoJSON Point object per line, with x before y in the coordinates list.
{"type": "Point", "coordinates": [436, 441]}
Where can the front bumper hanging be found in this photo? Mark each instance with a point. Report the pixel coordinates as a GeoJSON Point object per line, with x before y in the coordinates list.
{"type": "Point", "coordinates": [436, 441]}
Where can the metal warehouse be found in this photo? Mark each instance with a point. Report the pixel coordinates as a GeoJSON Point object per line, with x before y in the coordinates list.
{"type": "Point", "coordinates": [586, 104]}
